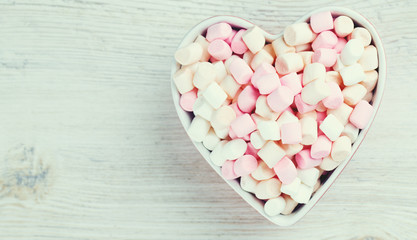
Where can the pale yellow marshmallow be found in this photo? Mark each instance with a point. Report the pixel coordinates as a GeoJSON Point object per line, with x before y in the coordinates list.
{"type": "Point", "coordinates": [303, 194]}
{"type": "Point", "coordinates": [371, 78]}
{"type": "Point", "coordinates": [352, 52]}
{"type": "Point", "coordinates": [262, 109]}
{"type": "Point", "coordinates": [198, 129]}
{"type": "Point", "coordinates": [257, 119]}
{"type": "Point", "coordinates": [217, 156]}
{"type": "Point", "coordinates": [230, 86]}
{"type": "Point", "coordinates": [288, 63]}
{"type": "Point", "coordinates": [204, 44]}
{"type": "Point", "coordinates": [274, 206]}
{"type": "Point", "coordinates": [189, 54]}
{"type": "Point", "coordinates": [183, 80]}
{"type": "Point", "coordinates": [257, 141]}
{"type": "Point", "coordinates": [222, 133]}
{"type": "Point", "coordinates": [342, 113]}
{"type": "Point", "coordinates": [211, 140]}
{"type": "Point", "coordinates": [291, 149]}
{"type": "Point", "coordinates": [307, 56]}
{"type": "Point", "coordinates": [299, 33]}
{"type": "Point", "coordinates": [280, 47]}
{"type": "Point", "coordinates": [343, 26]}
{"type": "Point", "coordinates": [205, 74]}
{"type": "Point", "coordinates": [369, 59]}
{"type": "Point", "coordinates": [315, 91]}
{"type": "Point", "coordinates": [203, 109]}
{"type": "Point", "coordinates": [309, 130]}
{"type": "Point", "coordinates": [271, 153]}
{"type": "Point", "coordinates": [317, 185]}
{"type": "Point", "coordinates": [270, 49]}
{"type": "Point", "coordinates": [254, 39]}
{"type": "Point", "coordinates": [247, 57]}
{"type": "Point", "coordinates": [361, 34]}
{"type": "Point", "coordinates": [368, 97]}
{"type": "Point", "coordinates": [333, 76]}
{"type": "Point", "coordinates": [312, 114]}
{"type": "Point", "coordinates": [331, 127]}
{"type": "Point", "coordinates": [290, 205]}
{"type": "Point", "coordinates": [261, 57]}
{"type": "Point", "coordinates": [268, 189]}
{"type": "Point", "coordinates": [308, 176]}
{"type": "Point", "coordinates": [328, 164]}
{"type": "Point", "coordinates": [193, 67]}
{"type": "Point", "coordinates": [248, 183]}
{"type": "Point", "coordinates": [234, 149]}
{"type": "Point", "coordinates": [286, 117]}
{"type": "Point", "coordinates": [223, 117]}
{"type": "Point", "coordinates": [341, 148]}
{"type": "Point", "coordinates": [351, 132]}
{"type": "Point", "coordinates": [352, 74]}
{"type": "Point", "coordinates": [269, 130]}
{"type": "Point", "coordinates": [303, 48]}
{"type": "Point", "coordinates": [262, 172]}
{"type": "Point", "coordinates": [313, 72]}
{"type": "Point", "coordinates": [291, 188]}
{"type": "Point", "coordinates": [215, 95]}
{"type": "Point", "coordinates": [353, 94]}
{"type": "Point", "coordinates": [221, 72]}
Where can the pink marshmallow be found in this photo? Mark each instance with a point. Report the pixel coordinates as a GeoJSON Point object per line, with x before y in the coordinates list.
{"type": "Point", "coordinates": [321, 116]}
{"type": "Point", "coordinates": [304, 160]}
{"type": "Point", "coordinates": [303, 107]}
{"type": "Point", "coordinates": [267, 83]}
{"type": "Point", "coordinates": [240, 71]}
{"type": "Point", "coordinates": [326, 39]}
{"type": "Point", "coordinates": [247, 99]}
{"type": "Point", "coordinates": [322, 21]}
{"type": "Point", "coordinates": [264, 68]}
{"type": "Point", "coordinates": [229, 39]}
{"type": "Point", "coordinates": [218, 31]}
{"type": "Point", "coordinates": [237, 44]}
{"type": "Point", "coordinates": [361, 114]}
{"type": "Point", "coordinates": [286, 170]}
{"type": "Point", "coordinates": [243, 125]}
{"type": "Point", "coordinates": [321, 148]}
{"type": "Point", "coordinates": [245, 165]}
{"type": "Point", "coordinates": [291, 133]}
{"type": "Point", "coordinates": [325, 56]}
{"type": "Point", "coordinates": [236, 109]}
{"type": "Point", "coordinates": [228, 171]}
{"type": "Point", "coordinates": [232, 134]}
{"type": "Point", "coordinates": [341, 42]}
{"type": "Point", "coordinates": [280, 99]}
{"type": "Point", "coordinates": [336, 97]}
{"type": "Point", "coordinates": [293, 82]}
{"type": "Point", "coordinates": [219, 49]}
{"type": "Point", "coordinates": [251, 150]}
{"type": "Point", "coordinates": [187, 100]}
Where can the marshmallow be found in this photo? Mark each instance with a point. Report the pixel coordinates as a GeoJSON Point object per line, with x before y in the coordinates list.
{"type": "Point", "coordinates": [291, 133]}
{"type": "Point", "coordinates": [230, 86]}
{"type": "Point", "coordinates": [303, 194]}
{"type": "Point", "coordinates": [187, 100]}
{"type": "Point", "coordinates": [333, 76]}
{"type": "Point", "coordinates": [298, 33]}
{"type": "Point", "coordinates": [248, 183]}
{"type": "Point", "coordinates": [243, 125]}
{"type": "Point", "coordinates": [236, 109]}
{"type": "Point", "coordinates": [322, 21]}
{"type": "Point", "coordinates": [203, 109]}
{"type": "Point", "coordinates": [248, 56]}
{"type": "Point", "coordinates": [315, 91]}
{"type": "Point", "coordinates": [285, 170]}
{"type": "Point", "coordinates": [258, 119]}
{"type": "Point", "coordinates": [325, 56]}
{"type": "Point", "coordinates": [321, 148]}
{"type": "Point", "coordinates": [331, 127]}
{"type": "Point", "coordinates": [293, 82]}
{"type": "Point", "coordinates": [309, 176]}
{"type": "Point", "coordinates": [306, 56]}
{"type": "Point", "coordinates": [286, 117]}
{"type": "Point", "coordinates": [320, 107]}
{"type": "Point", "coordinates": [263, 110]}
{"type": "Point", "coordinates": [353, 94]}
{"type": "Point", "coordinates": [189, 54]}
{"type": "Point", "coordinates": [251, 150]}
{"type": "Point", "coordinates": [368, 97]}
{"type": "Point", "coordinates": [369, 59]}
{"type": "Point", "coordinates": [268, 189]}
{"type": "Point", "coordinates": [217, 156]}
{"type": "Point", "coordinates": [351, 132]}
{"type": "Point", "coordinates": [280, 47]}
{"type": "Point", "coordinates": [312, 114]}
{"type": "Point", "coordinates": [261, 57]}
{"type": "Point", "coordinates": [271, 153]}
{"type": "Point", "coordinates": [229, 61]}
{"type": "Point", "coordinates": [291, 149]}
{"type": "Point", "coordinates": [321, 116]}
{"type": "Point", "coordinates": [254, 39]}
{"type": "Point", "coordinates": [221, 71]}
{"type": "Point", "coordinates": [303, 107]}
{"type": "Point", "coordinates": [247, 99]}
{"type": "Point", "coordinates": [341, 43]}
{"type": "Point", "coordinates": [288, 63]}
{"type": "Point", "coordinates": [218, 31]}
{"type": "Point", "coordinates": [371, 78]}
{"type": "Point", "coordinates": [240, 70]}
{"type": "Point", "coordinates": [338, 65]}
{"type": "Point", "coordinates": [237, 44]}
{"type": "Point", "coordinates": [274, 206]}
{"type": "Point", "coordinates": [313, 72]}
{"type": "Point", "coordinates": [361, 114]}
{"type": "Point", "coordinates": [205, 74]}
{"type": "Point", "coordinates": [211, 140]}
{"type": "Point", "coordinates": [214, 95]}
{"type": "Point", "coordinates": [262, 172]}
{"type": "Point", "coordinates": [270, 49]}
{"type": "Point", "coordinates": [198, 129]}
{"type": "Point", "coordinates": [292, 187]}
{"type": "Point", "coordinates": [326, 39]}
{"type": "Point", "coordinates": [229, 39]}
{"type": "Point", "coordinates": [280, 99]}
{"type": "Point", "coordinates": [219, 49]}
{"type": "Point", "coordinates": [204, 44]}
{"type": "Point", "coordinates": [352, 74]}
{"type": "Point", "coordinates": [328, 164]}
{"type": "Point", "coordinates": [341, 148]}
{"type": "Point", "coordinates": [228, 171]}
{"type": "Point", "coordinates": [183, 80]}
{"type": "Point", "coordinates": [361, 34]}
{"type": "Point", "coordinates": [303, 47]}
{"type": "Point", "coordinates": [222, 133]}
{"type": "Point", "coordinates": [352, 52]}
{"type": "Point", "coordinates": [316, 186]}
{"type": "Point", "coordinates": [267, 83]}
{"type": "Point", "coordinates": [290, 205]}
{"type": "Point", "coordinates": [343, 26]}
{"type": "Point", "coordinates": [342, 113]}
{"type": "Point", "coordinates": [269, 130]}
{"type": "Point", "coordinates": [245, 165]}
{"type": "Point", "coordinates": [223, 117]}
{"type": "Point", "coordinates": [305, 161]}
{"type": "Point", "coordinates": [261, 70]}
{"type": "Point", "coordinates": [234, 149]}
{"type": "Point", "coordinates": [256, 139]}
{"type": "Point", "coordinates": [336, 97]}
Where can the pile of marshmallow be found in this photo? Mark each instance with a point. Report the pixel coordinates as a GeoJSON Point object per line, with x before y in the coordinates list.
{"type": "Point", "coordinates": [278, 114]}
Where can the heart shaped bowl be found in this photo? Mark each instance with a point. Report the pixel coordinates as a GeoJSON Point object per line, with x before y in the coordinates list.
{"type": "Point", "coordinates": [186, 117]}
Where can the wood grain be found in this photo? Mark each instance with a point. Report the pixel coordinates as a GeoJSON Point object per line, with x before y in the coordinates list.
{"type": "Point", "coordinates": [89, 81]}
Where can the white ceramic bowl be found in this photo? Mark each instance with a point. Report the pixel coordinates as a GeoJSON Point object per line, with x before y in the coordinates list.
{"type": "Point", "coordinates": [186, 117]}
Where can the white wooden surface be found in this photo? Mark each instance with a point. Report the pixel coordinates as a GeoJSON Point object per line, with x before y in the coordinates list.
{"type": "Point", "coordinates": [88, 80]}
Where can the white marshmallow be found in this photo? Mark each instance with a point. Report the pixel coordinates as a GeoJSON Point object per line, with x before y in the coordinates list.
{"type": "Point", "coordinates": [352, 52]}
{"type": "Point", "coordinates": [303, 48]}
{"type": "Point", "coordinates": [369, 59]}
{"type": "Point", "coordinates": [351, 132]}
{"type": "Point", "coordinates": [303, 195]}
{"type": "Point", "coordinates": [254, 39]}
{"type": "Point", "coordinates": [286, 117]}
{"type": "Point", "coordinates": [299, 33]}
{"type": "Point", "coordinates": [193, 67]}
{"type": "Point", "coordinates": [314, 71]}
{"type": "Point", "coordinates": [247, 57]}
{"type": "Point", "coordinates": [353, 94]}
{"type": "Point", "coordinates": [268, 189]}
{"type": "Point", "coordinates": [189, 54]}
{"type": "Point", "coordinates": [368, 97]}
{"type": "Point", "coordinates": [256, 139]}
{"type": "Point", "coordinates": [271, 153]}
{"type": "Point", "coordinates": [211, 140]}
{"type": "Point", "coordinates": [217, 155]}
{"type": "Point", "coordinates": [309, 130]}
{"type": "Point", "coordinates": [291, 149]}
{"type": "Point", "coordinates": [333, 76]}
{"type": "Point", "coordinates": [198, 129]}
{"type": "Point", "coordinates": [261, 57]}
{"type": "Point", "coordinates": [361, 34]}
{"type": "Point", "coordinates": [315, 91]}
{"type": "Point", "coordinates": [328, 164]}
{"type": "Point", "coordinates": [291, 188]}
{"type": "Point", "coordinates": [205, 74]}
{"type": "Point", "coordinates": [221, 72]}
{"type": "Point", "coordinates": [306, 56]}
{"type": "Point", "coordinates": [274, 206]}
{"type": "Point", "coordinates": [371, 78]}
{"type": "Point", "coordinates": [342, 113]}
{"type": "Point", "coordinates": [331, 127]}
{"type": "Point", "coordinates": [234, 149]}
{"type": "Point", "coordinates": [183, 80]}
{"type": "Point", "coordinates": [352, 74]}
{"type": "Point", "coordinates": [262, 172]}
{"type": "Point", "coordinates": [269, 130]}
{"type": "Point", "coordinates": [223, 117]}
{"type": "Point", "coordinates": [204, 44]}
{"type": "Point", "coordinates": [262, 109]}
{"type": "Point", "coordinates": [341, 148]}
{"type": "Point", "coordinates": [280, 47]}
{"type": "Point", "coordinates": [248, 183]}
{"type": "Point", "coordinates": [230, 86]}
{"type": "Point", "coordinates": [308, 176]}
{"type": "Point", "coordinates": [343, 26]}
{"type": "Point", "coordinates": [203, 109]}
{"type": "Point", "coordinates": [288, 63]}
{"type": "Point", "coordinates": [229, 61]}
{"type": "Point", "coordinates": [222, 133]}
{"type": "Point", "coordinates": [290, 205]}
{"type": "Point", "coordinates": [338, 65]}
{"type": "Point", "coordinates": [214, 95]}
{"type": "Point", "coordinates": [257, 119]}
